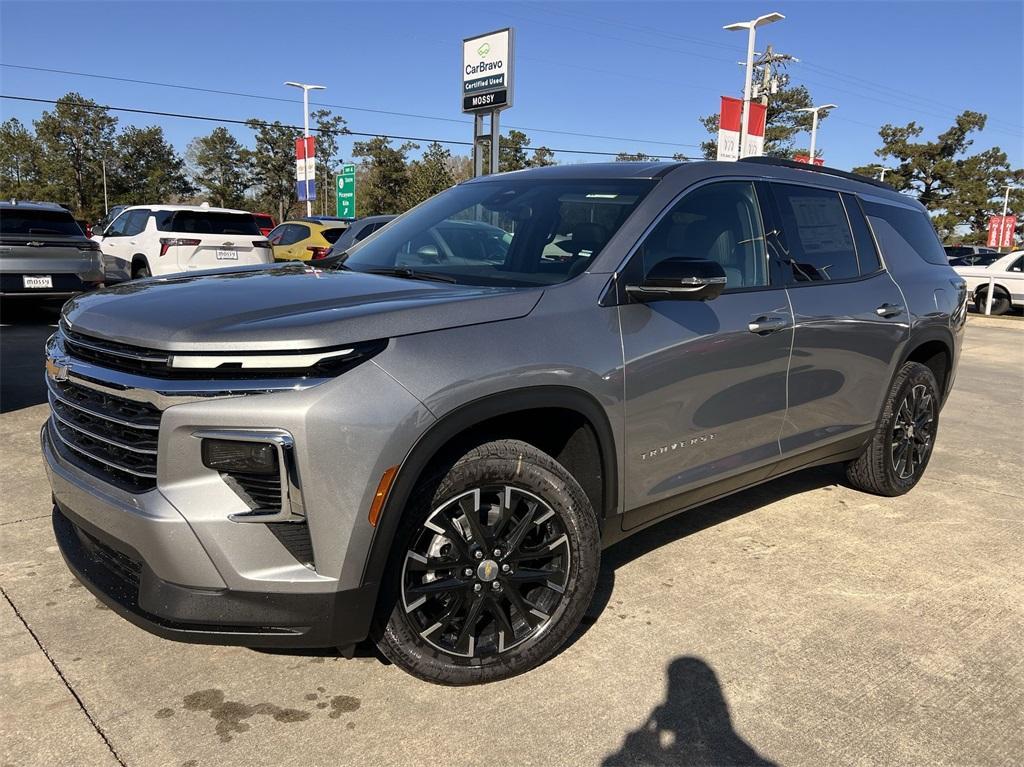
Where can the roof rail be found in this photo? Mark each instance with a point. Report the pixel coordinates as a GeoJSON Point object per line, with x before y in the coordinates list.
{"type": "Point", "coordinates": [780, 162]}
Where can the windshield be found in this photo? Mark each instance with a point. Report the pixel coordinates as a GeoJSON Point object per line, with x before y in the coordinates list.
{"type": "Point", "coordinates": [507, 232]}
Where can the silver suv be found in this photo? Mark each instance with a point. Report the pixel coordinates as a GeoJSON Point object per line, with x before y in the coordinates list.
{"type": "Point", "coordinates": [44, 253]}
{"type": "Point", "coordinates": [428, 445]}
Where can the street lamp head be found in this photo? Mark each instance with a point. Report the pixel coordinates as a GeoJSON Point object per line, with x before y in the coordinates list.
{"type": "Point", "coordinates": [768, 18]}
{"type": "Point", "coordinates": [816, 109]}
{"type": "Point", "coordinates": [306, 86]}
{"type": "Point", "coordinates": [760, 21]}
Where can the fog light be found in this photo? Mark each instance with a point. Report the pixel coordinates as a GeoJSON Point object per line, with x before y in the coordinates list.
{"type": "Point", "coordinates": [237, 456]}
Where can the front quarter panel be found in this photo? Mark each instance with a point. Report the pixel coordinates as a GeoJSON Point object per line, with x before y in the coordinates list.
{"type": "Point", "coordinates": [567, 341]}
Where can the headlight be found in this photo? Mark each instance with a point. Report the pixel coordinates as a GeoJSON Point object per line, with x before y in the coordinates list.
{"type": "Point", "coordinates": [236, 456]}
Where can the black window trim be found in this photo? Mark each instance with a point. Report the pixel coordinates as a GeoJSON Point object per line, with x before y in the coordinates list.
{"type": "Point", "coordinates": [856, 249]}
{"type": "Point", "coordinates": [615, 294]}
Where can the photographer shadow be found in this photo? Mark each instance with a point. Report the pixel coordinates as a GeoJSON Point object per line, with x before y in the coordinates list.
{"type": "Point", "coordinates": [692, 727]}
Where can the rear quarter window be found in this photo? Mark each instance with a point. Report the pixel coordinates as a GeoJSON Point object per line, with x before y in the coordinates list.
{"type": "Point", "coordinates": [898, 228]}
{"type": "Point", "coordinates": [39, 222]}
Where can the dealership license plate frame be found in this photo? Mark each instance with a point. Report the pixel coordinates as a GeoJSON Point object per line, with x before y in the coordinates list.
{"type": "Point", "coordinates": [37, 281]}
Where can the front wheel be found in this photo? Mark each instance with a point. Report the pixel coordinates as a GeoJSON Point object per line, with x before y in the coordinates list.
{"type": "Point", "coordinates": [494, 567]}
{"type": "Point", "coordinates": [902, 445]}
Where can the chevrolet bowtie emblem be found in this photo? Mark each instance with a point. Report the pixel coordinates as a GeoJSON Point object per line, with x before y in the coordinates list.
{"type": "Point", "coordinates": [55, 370]}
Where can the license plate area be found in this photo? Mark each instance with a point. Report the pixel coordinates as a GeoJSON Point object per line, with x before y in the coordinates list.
{"type": "Point", "coordinates": [227, 254]}
{"type": "Point", "coordinates": [37, 281]}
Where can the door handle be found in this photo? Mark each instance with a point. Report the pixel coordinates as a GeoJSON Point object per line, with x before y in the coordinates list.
{"type": "Point", "coordinates": [765, 325]}
{"type": "Point", "coordinates": [889, 310]}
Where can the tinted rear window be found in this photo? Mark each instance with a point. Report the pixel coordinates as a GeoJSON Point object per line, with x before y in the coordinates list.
{"type": "Point", "coordinates": [332, 235]}
{"type": "Point", "coordinates": [265, 221]}
{"type": "Point", "coordinates": [202, 222]}
{"type": "Point", "coordinates": [41, 222]}
{"type": "Point", "coordinates": [912, 226]}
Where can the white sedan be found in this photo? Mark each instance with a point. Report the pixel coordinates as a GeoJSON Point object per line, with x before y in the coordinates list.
{"type": "Point", "coordinates": [1007, 273]}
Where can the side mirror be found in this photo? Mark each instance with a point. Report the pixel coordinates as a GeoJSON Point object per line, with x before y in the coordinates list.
{"type": "Point", "coordinates": [681, 279]}
{"type": "Point", "coordinates": [429, 254]}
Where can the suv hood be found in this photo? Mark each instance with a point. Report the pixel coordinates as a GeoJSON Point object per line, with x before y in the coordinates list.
{"type": "Point", "coordinates": [285, 308]}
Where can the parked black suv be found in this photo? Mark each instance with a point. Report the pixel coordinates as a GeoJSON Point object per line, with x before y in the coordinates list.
{"type": "Point", "coordinates": [429, 439]}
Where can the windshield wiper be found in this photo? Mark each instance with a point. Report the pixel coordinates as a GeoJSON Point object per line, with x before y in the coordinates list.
{"type": "Point", "coordinates": [409, 274]}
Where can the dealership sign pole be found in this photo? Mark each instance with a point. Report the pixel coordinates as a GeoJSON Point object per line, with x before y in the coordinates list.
{"type": "Point", "coordinates": [487, 89]}
{"type": "Point", "coordinates": [345, 185]}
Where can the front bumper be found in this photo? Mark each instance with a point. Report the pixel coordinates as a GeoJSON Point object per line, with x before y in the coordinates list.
{"type": "Point", "coordinates": [121, 579]}
{"type": "Point", "coordinates": [120, 568]}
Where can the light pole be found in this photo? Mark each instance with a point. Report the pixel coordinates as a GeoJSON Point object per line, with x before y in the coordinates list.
{"type": "Point", "coordinates": [814, 125]}
{"type": "Point", "coordinates": [882, 170]}
{"type": "Point", "coordinates": [306, 88]}
{"type": "Point", "coordinates": [751, 27]}
{"type": "Point", "coordinates": [106, 203]}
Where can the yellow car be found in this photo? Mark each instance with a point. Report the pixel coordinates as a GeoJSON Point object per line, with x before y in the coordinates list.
{"type": "Point", "coordinates": [306, 239]}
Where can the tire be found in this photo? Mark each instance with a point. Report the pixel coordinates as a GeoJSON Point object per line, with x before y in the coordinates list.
{"type": "Point", "coordinates": [141, 272]}
{"type": "Point", "coordinates": [1000, 301]}
{"type": "Point", "coordinates": [531, 506]}
{"type": "Point", "coordinates": [902, 445]}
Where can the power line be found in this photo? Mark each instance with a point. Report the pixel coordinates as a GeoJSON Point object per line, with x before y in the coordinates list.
{"type": "Point", "coordinates": [346, 132]}
{"type": "Point", "coordinates": [825, 70]}
{"type": "Point", "coordinates": [1014, 130]}
{"type": "Point", "coordinates": [240, 94]}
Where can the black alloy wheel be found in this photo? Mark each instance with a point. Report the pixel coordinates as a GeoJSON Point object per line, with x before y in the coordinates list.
{"type": "Point", "coordinates": [912, 432]}
{"type": "Point", "coordinates": [495, 563]}
{"type": "Point", "coordinates": [895, 458]}
{"type": "Point", "coordinates": [486, 572]}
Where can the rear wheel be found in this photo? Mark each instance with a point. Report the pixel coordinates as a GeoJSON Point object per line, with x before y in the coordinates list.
{"type": "Point", "coordinates": [140, 271]}
{"type": "Point", "coordinates": [899, 452]}
{"type": "Point", "coordinates": [1000, 301]}
{"type": "Point", "coordinates": [493, 568]}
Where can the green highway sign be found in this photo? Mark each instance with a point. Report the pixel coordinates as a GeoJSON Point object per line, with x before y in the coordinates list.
{"type": "Point", "coordinates": [345, 187]}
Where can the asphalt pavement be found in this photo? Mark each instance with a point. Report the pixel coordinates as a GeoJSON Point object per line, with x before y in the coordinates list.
{"type": "Point", "coordinates": [799, 623]}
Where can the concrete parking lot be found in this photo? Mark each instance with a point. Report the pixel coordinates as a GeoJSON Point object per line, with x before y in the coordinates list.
{"type": "Point", "coordinates": [798, 623]}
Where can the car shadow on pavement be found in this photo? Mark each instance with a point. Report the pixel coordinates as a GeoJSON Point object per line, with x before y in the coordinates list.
{"type": "Point", "coordinates": [22, 337]}
{"type": "Point", "coordinates": [693, 521]}
{"type": "Point", "coordinates": [691, 727]}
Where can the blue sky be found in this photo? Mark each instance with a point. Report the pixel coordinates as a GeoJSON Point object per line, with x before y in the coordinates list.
{"type": "Point", "coordinates": [638, 72]}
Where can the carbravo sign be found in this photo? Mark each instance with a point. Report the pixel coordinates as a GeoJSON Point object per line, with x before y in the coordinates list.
{"type": "Point", "coordinates": [487, 71]}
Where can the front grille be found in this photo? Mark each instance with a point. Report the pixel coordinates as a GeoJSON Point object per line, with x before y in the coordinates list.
{"type": "Point", "coordinates": [108, 436]}
{"type": "Point", "coordinates": [116, 356]}
{"type": "Point", "coordinates": [156, 363]}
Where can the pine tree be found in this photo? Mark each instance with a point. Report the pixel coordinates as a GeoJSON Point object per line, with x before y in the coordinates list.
{"type": "Point", "coordinates": [220, 167]}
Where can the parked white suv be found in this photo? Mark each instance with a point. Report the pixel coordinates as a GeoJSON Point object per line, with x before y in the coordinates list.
{"type": "Point", "coordinates": [147, 240]}
{"type": "Point", "coordinates": [1007, 274]}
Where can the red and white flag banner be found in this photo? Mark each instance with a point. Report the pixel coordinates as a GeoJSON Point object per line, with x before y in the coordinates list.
{"type": "Point", "coordinates": [1000, 231]}
{"type": "Point", "coordinates": [729, 129]}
